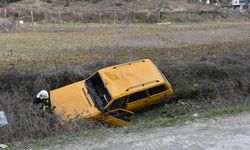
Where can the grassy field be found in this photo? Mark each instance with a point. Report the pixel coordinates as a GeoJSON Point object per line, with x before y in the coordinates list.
{"type": "Point", "coordinates": [214, 56]}
{"type": "Point", "coordinates": [54, 43]}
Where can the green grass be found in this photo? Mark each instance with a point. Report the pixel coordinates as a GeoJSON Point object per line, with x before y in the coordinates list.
{"type": "Point", "coordinates": [229, 111]}
{"type": "Point", "coordinates": [151, 119]}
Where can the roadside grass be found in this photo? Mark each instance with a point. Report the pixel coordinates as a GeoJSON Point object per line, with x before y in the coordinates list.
{"type": "Point", "coordinates": [228, 111]}
{"type": "Point", "coordinates": [178, 115]}
{"type": "Point", "coordinates": [149, 120]}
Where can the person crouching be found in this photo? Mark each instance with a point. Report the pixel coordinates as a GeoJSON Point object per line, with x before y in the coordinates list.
{"type": "Point", "coordinates": [42, 100]}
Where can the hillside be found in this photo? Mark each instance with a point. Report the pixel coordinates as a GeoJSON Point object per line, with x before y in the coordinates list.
{"type": "Point", "coordinates": [106, 11]}
{"type": "Point", "coordinates": [170, 5]}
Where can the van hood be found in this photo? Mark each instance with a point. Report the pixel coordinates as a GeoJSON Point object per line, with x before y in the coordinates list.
{"type": "Point", "coordinates": [71, 101]}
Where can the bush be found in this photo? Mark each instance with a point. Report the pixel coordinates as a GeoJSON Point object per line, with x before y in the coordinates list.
{"type": "Point", "coordinates": [28, 121]}
{"type": "Point", "coordinates": [210, 82]}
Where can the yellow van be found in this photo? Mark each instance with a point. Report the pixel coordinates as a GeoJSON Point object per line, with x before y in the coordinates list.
{"type": "Point", "coordinates": [111, 94]}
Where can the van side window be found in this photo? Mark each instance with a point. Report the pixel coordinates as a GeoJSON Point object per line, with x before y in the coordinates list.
{"type": "Point", "coordinates": [156, 90]}
{"type": "Point", "coordinates": [119, 103]}
{"type": "Point", "coordinates": [138, 96]}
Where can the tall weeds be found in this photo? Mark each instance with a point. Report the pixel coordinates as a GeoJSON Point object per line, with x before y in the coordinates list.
{"type": "Point", "coordinates": [202, 83]}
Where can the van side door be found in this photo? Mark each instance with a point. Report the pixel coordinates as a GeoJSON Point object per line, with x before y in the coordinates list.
{"type": "Point", "coordinates": [157, 94]}
{"type": "Point", "coordinates": [116, 114]}
{"type": "Point", "coordinates": [137, 100]}
{"type": "Point", "coordinates": [118, 117]}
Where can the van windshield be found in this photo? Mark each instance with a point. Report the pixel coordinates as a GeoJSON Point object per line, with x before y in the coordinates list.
{"type": "Point", "coordinates": [98, 91]}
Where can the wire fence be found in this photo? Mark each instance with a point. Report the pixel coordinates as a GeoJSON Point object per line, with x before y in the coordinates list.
{"type": "Point", "coordinates": [115, 16]}
{"type": "Point", "coordinates": [10, 19]}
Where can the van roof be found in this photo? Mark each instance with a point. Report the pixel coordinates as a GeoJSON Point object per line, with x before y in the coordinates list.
{"type": "Point", "coordinates": [127, 78]}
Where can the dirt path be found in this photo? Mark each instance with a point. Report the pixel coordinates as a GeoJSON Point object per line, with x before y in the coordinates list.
{"type": "Point", "coordinates": [224, 133]}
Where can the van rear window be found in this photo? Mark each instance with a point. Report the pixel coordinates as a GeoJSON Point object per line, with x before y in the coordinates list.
{"type": "Point", "coordinates": [138, 96]}
{"type": "Point", "coordinates": [156, 90]}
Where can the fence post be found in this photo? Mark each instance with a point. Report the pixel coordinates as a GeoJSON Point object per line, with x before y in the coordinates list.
{"type": "Point", "coordinates": [82, 16]}
{"type": "Point", "coordinates": [19, 17]}
{"type": "Point", "coordinates": [129, 18]}
{"type": "Point", "coordinates": [74, 17]}
{"type": "Point", "coordinates": [59, 15]}
{"type": "Point", "coordinates": [44, 16]}
{"type": "Point", "coordinates": [115, 16]}
{"type": "Point", "coordinates": [5, 13]}
{"type": "Point", "coordinates": [32, 19]}
{"type": "Point", "coordinates": [79, 17]}
{"type": "Point", "coordinates": [100, 16]}
{"type": "Point", "coordinates": [86, 19]}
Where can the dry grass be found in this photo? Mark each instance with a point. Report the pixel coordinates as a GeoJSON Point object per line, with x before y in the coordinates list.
{"type": "Point", "coordinates": [52, 60]}
{"type": "Point", "coordinates": [27, 121]}
{"type": "Point", "coordinates": [20, 50]}
{"type": "Point", "coordinates": [52, 37]}
{"type": "Point", "coordinates": [222, 81]}
{"type": "Point", "coordinates": [31, 61]}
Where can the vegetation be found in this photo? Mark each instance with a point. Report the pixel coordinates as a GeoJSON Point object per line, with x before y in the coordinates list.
{"type": "Point", "coordinates": [228, 86]}
{"type": "Point", "coordinates": [210, 72]}
{"type": "Point", "coordinates": [120, 11]}
{"type": "Point", "coordinates": [137, 126]}
{"type": "Point", "coordinates": [205, 75]}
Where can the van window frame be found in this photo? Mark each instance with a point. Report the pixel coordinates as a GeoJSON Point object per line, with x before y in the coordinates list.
{"type": "Point", "coordinates": [98, 104]}
{"type": "Point", "coordinates": [147, 92]}
{"type": "Point", "coordinates": [155, 87]}
{"type": "Point", "coordinates": [138, 92]}
{"type": "Point", "coordinates": [113, 100]}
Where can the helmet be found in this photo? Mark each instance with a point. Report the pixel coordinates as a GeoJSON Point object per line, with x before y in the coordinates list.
{"type": "Point", "coordinates": [43, 95]}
